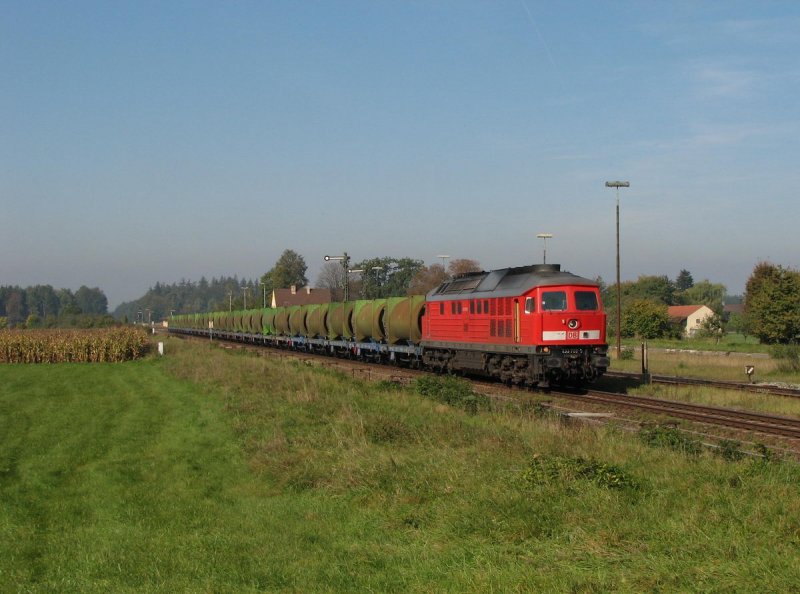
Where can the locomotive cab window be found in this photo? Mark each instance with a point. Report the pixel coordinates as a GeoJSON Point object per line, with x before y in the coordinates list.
{"type": "Point", "coordinates": [530, 305]}
{"type": "Point", "coordinates": [585, 301]}
{"type": "Point", "coordinates": [554, 300]}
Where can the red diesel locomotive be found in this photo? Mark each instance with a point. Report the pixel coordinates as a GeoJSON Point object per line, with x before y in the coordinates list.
{"type": "Point", "coordinates": [532, 325]}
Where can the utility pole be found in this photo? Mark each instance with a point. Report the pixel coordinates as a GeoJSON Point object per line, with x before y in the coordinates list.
{"type": "Point", "coordinates": [618, 185]}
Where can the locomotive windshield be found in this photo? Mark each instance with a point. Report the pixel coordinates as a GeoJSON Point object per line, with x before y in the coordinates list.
{"type": "Point", "coordinates": [585, 301]}
{"type": "Point", "coordinates": [554, 300]}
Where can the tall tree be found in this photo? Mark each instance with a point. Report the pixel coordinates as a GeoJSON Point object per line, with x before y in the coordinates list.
{"type": "Point", "coordinates": [706, 293]}
{"type": "Point", "coordinates": [654, 288]}
{"type": "Point", "coordinates": [684, 280]}
{"type": "Point", "coordinates": [426, 279]}
{"type": "Point", "coordinates": [644, 318]}
{"type": "Point", "coordinates": [387, 277]}
{"type": "Point", "coordinates": [91, 301]}
{"type": "Point", "coordinates": [462, 266]}
{"type": "Point", "coordinates": [67, 305]}
{"type": "Point", "coordinates": [15, 306]}
{"type": "Point", "coordinates": [42, 300]}
{"type": "Point", "coordinates": [290, 269]}
{"type": "Point", "coordinates": [772, 303]}
{"type": "Point", "coordinates": [331, 276]}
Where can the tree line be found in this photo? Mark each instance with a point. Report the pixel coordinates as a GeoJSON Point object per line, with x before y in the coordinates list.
{"type": "Point", "coordinates": [187, 296]}
{"type": "Point", "coordinates": [771, 305]}
{"type": "Point", "coordinates": [771, 301]}
{"type": "Point", "coordinates": [42, 306]}
{"type": "Point", "coordinates": [371, 278]}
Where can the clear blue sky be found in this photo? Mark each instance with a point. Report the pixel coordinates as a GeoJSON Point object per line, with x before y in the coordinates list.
{"type": "Point", "coordinates": [154, 141]}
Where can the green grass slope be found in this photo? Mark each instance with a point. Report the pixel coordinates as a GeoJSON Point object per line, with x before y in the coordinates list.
{"type": "Point", "coordinates": [210, 471]}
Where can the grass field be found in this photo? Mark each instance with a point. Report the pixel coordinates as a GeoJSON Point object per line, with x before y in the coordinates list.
{"type": "Point", "coordinates": [212, 471]}
{"type": "Point", "coordinates": [710, 365]}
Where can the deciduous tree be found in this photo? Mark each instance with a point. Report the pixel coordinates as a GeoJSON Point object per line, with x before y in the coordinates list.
{"type": "Point", "coordinates": [643, 318]}
{"type": "Point", "coordinates": [462, 266]}
{"type": "Point", "coordinates": [387, 277]}
{"type": "Point", "coordinates": [706, 293]}
{"type": "Point", "coordinates": [426, 279]}
{"type": "Point", "coordinates": [772, 303]}
{"type": "Point", "coordinates": [290, 269]}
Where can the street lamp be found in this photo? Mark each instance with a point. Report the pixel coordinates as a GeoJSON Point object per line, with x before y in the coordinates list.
{"type": "Point", "coordinates": [265, 293]}
{"type": "Point", "coordinates": [230, 300]}
{"type": "Point", "coordinates": [444, 257]}
{"type": "Point", "coordinates": [345, 260]}
{"type": "Point", "coordinates": [544, 237]}
{"type": "Point", "coordinates": [244, 292]}
{"type": "Point", "coordinates": [618, 185]}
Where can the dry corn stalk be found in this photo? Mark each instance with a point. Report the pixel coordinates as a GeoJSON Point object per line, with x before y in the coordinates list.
{"type": "Point", "coordinates": [105, 345]}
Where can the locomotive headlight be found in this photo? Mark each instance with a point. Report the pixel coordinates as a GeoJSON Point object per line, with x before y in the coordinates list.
{"type": "Point", "coordinates": [574, 324]}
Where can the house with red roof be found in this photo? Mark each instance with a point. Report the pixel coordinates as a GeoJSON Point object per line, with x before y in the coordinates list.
{"type": "Point", "coordinates": [303, 296]}
{"type": "Point", "coordinates": [689, 317]}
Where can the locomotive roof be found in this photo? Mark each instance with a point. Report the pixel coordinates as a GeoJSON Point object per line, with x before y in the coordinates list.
{"type": "Point", "coordinates": [506, 282]}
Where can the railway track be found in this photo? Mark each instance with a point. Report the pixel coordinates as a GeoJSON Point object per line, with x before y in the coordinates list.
{"type": "Point", "coordinates": [775, 425]}
{"type": "Point", "coordinates": [725, 385]}
{"type": "Point", "coordinates": [772, 425]}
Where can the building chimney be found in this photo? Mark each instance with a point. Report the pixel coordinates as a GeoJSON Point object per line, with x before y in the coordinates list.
{"type": "Point", "coordinates": [308, 290]}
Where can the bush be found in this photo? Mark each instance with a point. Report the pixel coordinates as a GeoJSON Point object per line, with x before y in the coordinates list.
{"type": "Point", "coordinates": [661, 436]}
{"type": "Point", "coordinates": [452, 391]}
{"type": "Point", "coordinates": [730, 450]}
{"type": "Point", "coordinates": [645, 319]}
{"type": "Point", "coordinates": [561, 471]}
{"type": "Point", "coordinates": [788, 356]}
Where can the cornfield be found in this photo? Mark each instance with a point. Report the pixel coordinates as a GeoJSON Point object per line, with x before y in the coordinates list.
{"type": "Point", "coordinates": [104, 345]}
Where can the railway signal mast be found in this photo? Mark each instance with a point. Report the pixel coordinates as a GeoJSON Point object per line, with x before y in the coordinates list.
{"type": "Point", "coordinates": [345, 260]}
{"type": "Point", "coordinates": [618, 185]}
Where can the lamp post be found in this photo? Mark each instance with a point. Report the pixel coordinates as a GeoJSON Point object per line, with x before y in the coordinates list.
{"type": "Point", "coordinates": [230, 300]}
{"type": "Point", "coordinates": [244, 292]}
{"type": "Point", "coordinates": [345, 260]}
{"type": "Point", "coordinates": [618, 185]}
{"type": "Point", "coordinates": [265, 293]}
{"type": "Point", "coordinates": [544, 237]}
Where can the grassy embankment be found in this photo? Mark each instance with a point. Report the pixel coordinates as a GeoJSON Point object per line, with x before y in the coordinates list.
{"type": "Point", "coordinates": [688, 358]}
{"type": "Point", "coordinates": [707, 359]}
{"type": "Point", "coordinates": [217, 471]}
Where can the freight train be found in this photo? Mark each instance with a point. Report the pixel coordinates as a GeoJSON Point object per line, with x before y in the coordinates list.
{"type": "Point", "coordinates": [532, 326]}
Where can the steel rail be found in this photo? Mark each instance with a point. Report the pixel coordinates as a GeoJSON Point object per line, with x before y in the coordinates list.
{"type": "Point", "coordinates": [713, 415]}
{"type": "Point", "coordinates": [723, 384]}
